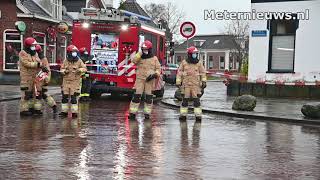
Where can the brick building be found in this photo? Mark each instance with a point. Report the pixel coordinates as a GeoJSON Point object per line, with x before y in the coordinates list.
{"type": "Point", "coordinates": [41, 24]}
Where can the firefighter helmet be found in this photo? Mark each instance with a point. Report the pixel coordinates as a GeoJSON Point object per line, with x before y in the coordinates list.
{"type": "Point", "coordinates": [146, 45]}
{"type": "Point", "coordinates": [192, 50]}
{"type": "Point", "coordinates": [28, 42]}
{"type": "Point", "coordinates": [83, 50]}
{"type": "Point", "coordinates": [72, 48]}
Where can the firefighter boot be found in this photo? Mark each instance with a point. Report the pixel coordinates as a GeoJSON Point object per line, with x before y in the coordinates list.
{"type": "Point", "coordinates": [74, 106]}
{"type": "Point", "coordinates": [25, 103]}
{"type": "Point", "coordinates": [184, 109]}
{"type": "Point", "coordinates": [198, 114]}
{"type": "Point", "coordinates": [37, 106]}
{"type": "Point", "coordinates": [197, 109]}
{"type": "Point", "coordinates": [183, 113]}
{"type": "Point", "coordinates": [51, 102]}
{"type": "Point", "coordinates": [30, 101]}
{"type": "Point", "coordinates": [24, 108]}
{"type": "Point", "coordinates": [134, 106]}
{"type": "Point", "coordinates": [148, 106]}
{"type": "Point", "coordinates": [74, 110]}
{"type": "Point", "coordinates": [64, 105]}
{"type": "Point", "coordinates": [64, 110]}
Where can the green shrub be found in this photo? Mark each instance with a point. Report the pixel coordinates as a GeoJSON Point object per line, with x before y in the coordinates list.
{"type": "Point", "coordinates": [244, 67]}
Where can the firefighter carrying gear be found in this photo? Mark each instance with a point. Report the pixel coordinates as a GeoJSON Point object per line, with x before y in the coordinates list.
{"type": "Point", "coordinates": [42, 84]}
{"type": "Point", "coordinates": [191, 78]}
{"type": "Point", "coordinates": [148, 69]}
{"type": "Point", "coordinates": [71, 70]}
{"type": "Point", "coordinates": [28, 64]}
{"type": "Point", "coordinates": [85, 82]}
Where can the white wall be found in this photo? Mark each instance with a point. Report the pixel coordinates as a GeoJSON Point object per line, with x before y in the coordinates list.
{"type": "Point", "coordinates": [307, 59]}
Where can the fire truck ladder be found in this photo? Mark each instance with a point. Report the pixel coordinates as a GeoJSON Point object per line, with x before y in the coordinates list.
{"type": "Point", "coordinates": [101, 14]}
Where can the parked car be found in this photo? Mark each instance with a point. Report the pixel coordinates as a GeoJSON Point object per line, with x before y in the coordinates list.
{"type": "Point", "coordinates": [170, 73]}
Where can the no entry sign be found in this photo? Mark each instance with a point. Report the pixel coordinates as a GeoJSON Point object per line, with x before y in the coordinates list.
{"type": "Point", "coordinates": [187, 29]}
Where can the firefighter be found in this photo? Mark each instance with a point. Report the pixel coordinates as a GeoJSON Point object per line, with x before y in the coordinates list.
{"type": "Point", "coordinates": [148, 69]}
{"type": "Point", "coordinates": [71, 69]}
{"type": "Point", "coordinates": [42, 86]}
{"type": "Point", "coordinates": [191, 78]}
{"type": "Point", "coordinates": [29, 64]}
{"type": "Point", "coordinates": [85, 83]}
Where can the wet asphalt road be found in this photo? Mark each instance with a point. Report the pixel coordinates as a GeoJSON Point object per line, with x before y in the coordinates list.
{"type": "Point", "coordinates": [103, 144]}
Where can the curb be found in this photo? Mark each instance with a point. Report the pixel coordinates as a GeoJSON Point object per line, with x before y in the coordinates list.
{"type": "Point", "coordinates": [17, 98]}
{"type": "Point", "coordinates": [249, 116]}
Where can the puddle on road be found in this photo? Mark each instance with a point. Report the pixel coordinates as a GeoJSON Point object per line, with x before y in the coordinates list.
{"type": "Point", "coordinates": [103, 144]}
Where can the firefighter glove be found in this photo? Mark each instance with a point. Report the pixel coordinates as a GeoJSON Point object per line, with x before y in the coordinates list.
{"type": "Point", "coordinates": [41, 55]}
{"type": "Point", "coordinates": [79, 71]}
{"type": "Point", "coordinates": [151, 77]}
{"type": "Point", "coordinates": [204, 85]}
{"type": "Point", "coordinates": [178, 85]}
{"type": "Point", "coordinates": [45, 69]}
{"type": "Point", "coordinates": [64, 72]}
{"type": "Point", "coordinates": [40, 64]}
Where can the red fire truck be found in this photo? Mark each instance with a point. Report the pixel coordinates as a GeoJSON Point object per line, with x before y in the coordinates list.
{"type": "Point", "coordinates": [113, 37]}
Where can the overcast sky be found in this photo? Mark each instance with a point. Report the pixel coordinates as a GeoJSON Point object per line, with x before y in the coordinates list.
{"type": "Point", "coordinates": [194, 10]}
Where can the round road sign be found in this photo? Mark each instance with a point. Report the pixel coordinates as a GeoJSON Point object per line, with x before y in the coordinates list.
{"type": "Point", "coordinates": [187, 29]}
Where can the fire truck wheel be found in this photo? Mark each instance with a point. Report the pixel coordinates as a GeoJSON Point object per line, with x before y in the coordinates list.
{"type": "Point", "coordinates": [95, 95]}
{"type": "Point", "coordinates": [115, 94]}
{"type": "Point", "coordinates": [159, 93]}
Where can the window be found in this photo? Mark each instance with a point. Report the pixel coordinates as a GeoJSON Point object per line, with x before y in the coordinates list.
{"type": "Point", "coordinates": [221, 60]}
{"type": "Point", "coordinates": [57, 9]}
{"type": "Point", "coordinates": [41, 40]}
{"type": "Point", "coordinates": [153, 39]}
{"type": "Point", "coordinates": [282, 45]}
{"type": "Point", "coordinates": [12, 42]}
{"type": "Point", "coordinates": [210, 62]}
{"type": "Point", "coordinates": [231, 64]}
{"type": "Point", "coordinates": [51, 50]}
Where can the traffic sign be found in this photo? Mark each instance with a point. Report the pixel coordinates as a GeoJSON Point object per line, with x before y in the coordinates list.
{"type": "Point", "coordinates": [187, 29]}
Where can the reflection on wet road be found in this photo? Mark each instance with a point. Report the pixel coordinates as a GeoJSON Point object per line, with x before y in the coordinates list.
{"type": "Point", "coordinates": [104, 144]}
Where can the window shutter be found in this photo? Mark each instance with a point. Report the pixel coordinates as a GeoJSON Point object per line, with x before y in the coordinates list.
{"type": "Point", "coordinates": [282, 52]}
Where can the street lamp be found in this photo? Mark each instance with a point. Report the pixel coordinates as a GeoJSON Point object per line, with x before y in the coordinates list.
{"type": "Point", "coordinates": [85, 25]}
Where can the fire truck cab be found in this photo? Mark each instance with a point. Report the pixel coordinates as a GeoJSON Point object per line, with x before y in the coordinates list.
{"type": "Point", "coordinates": [113, 36]}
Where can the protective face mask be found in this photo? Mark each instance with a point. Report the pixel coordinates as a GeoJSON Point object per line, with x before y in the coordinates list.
{"type": "Point", "coordinates": [145, 52]}
{"type": "Point", "coordinates": [32, 48]}
{"type": "Point", "coordinates": [74, 54]}
{"type": "Point", "coordinates": [194, 56]}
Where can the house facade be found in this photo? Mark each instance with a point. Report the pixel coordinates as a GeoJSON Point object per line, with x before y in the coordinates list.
{"type": "Point", "coordinates": [216, 52]}
{"type": "Point", "coordinates": [285, 50]}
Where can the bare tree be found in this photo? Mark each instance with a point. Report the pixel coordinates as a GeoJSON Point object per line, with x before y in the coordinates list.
{"type": "Point", "coordinates": [239, 31]}
{"type": "Point", "coordinates": [155, 11]}
{"type": "Point", "coordinates": [169, 15]}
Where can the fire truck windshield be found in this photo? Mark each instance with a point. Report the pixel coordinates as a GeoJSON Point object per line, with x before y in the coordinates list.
{"type": "Point", "coordinates": [104, 48]}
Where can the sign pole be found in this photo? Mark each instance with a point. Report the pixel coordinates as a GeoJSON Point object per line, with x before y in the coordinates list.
{"type": "Point", "coordinates": [187, 43]}
{"type": "Point", "coordinates": [187, 30]}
